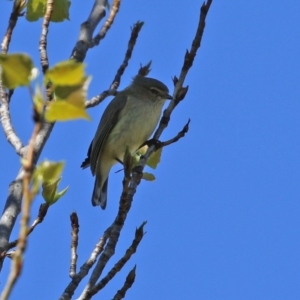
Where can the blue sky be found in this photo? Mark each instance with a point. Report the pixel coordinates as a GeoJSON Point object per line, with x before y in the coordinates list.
{"type": "Point", "coordinates": [223, 214]}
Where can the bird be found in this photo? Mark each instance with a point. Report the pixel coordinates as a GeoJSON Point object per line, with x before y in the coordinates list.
{"type": "Point", "coordinates": [128, 121]}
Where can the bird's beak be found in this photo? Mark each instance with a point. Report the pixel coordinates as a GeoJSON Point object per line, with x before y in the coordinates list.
{"type": "Point", "coordinates": [169, 97]}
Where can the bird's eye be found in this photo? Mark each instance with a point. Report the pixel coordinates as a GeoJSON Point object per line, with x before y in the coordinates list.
{"type": "Point", "coordinates": [155, 91]}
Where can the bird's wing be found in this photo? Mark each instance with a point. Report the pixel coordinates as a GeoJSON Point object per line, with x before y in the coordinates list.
{"type": "Point", "coordinates": [109, 119]}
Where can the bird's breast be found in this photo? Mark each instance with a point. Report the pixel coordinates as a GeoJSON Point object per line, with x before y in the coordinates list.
{"type": "Point", "coordinates": [135, 125]}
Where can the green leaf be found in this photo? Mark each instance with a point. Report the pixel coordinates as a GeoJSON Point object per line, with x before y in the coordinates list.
{"type": "Point", "coordinates": [15, 70]}
{"type": "Point", "coordinates": [66, 73]}
{"type": "Point", "coordinates": [154, 159]}
{"type": "Point", "coordinates": [50, 194]}
{"type": "Point", "coordinates": [60, 194]}
{"type": "Point", "coordinates": [65, 111]}
{"type": "Point", "coordinates": [60, 10]}
{"type": "Point", "coordinates": [36, 9]}
{"type": "Point", "coordinates": [47, 171]}
{"type": "Point", "coordinates": [69, 104]}
{"type": "Point", "coordinates": [148, 176]}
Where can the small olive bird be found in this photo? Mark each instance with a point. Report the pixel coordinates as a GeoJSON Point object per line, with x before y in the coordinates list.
{"type": "Point", "coordinates": [128, 121]}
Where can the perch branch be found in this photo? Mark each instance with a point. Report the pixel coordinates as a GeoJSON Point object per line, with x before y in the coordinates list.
{"type": "Point", "coordinates": [109, 250]}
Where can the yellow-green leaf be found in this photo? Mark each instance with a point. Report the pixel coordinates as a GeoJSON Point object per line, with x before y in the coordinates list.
{"type": "Point", "coordinates": [50, 194]}
{"type": "Point", "coordinates": [148, 176]}
{"type": "Point", "coordinates": [66, 73]}
{"type": "Point", "coordinates": [72, 106]}
{"type": "Point", "coordinates": [15, 70]}
{"type": "Point", "coordinates": [35, 9]}
{"type": "Point", "coordinates": [65, 111]}
{"type": "Point", "coordinates": [49, 191]}
{"type": "Point", "coordinates": [60, 194]}
{"type": "Point", "coordinates": [60, 10]}
{"type": "Point", "coordinates": [49, 171]}
{"type": "Point", "coordinates": [154, 159]}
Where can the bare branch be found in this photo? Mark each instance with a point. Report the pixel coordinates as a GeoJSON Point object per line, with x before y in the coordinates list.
{"type": "Point", "coordinates": [113, 12]}
{"type": "Point", "coordinates": [179, 135]}
{"type": "Point", "coordinates": [87, 29]}
{"type": "Point", "coordinates": [43, 38]}
{"type": "Point", "coordinates": [180, 91]}
{"type": "Point", "coordinates": [9, 131]}
{"type": "Point", "coordinates": [127, 285]}
{"type": "Point", "coordinates": [40, 218]}
{"type": "Point", "coordinates": [139, 233]}
{"type": "Point", "coordinates": [17, 8]}
{"type": "Point", "coordinates": [85, 268]}
{"type": "Point", "coordinates": [131, 43]}
{"type": "Point", "coordinates": [74, 243]}
{"type": "Point", "coordinates": [116, 81]}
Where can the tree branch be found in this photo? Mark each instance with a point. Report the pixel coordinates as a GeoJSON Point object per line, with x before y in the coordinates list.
{"type": "Point", "coordinates": [139, 234]}
{"type": "Point", "coordinates": [16, 12]}
{"type": "Point", "coordinates": [87, 29]}
{"type": "Point", "coordinates": [113, 12]}
{"type": "Point", "coordinates": [74, 243]}
{"type": "Point", "coordinates": [40, 218]}
{"type": "Point", "coordinates": [8, 129]}
{"type": "Point", "coordinates": [43, 38]}
{"type": "Point", "coordinates": [127, 285]}
{"type": "Point", "coordinates": [116, 81]}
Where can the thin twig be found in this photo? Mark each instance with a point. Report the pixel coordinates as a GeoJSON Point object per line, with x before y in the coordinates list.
{"type": "Point", "coordinates": [43, 38]}
{"type": "Point", "coordinates": [180, 91]}
{"type": "Point", "coordinates": [40, 218]}
{"type": "Point", "coordinates": [8, 129]}
{"type": "Point", "coordinates": [27, 199]}
{"type": "Point", "coordinates": [139, 233]}
{"type": "Point", "coordinates": [127, 285]}
{"type": "Point", "coordinates": [85, 268]}
{"type": "Point", "coordinates": [117, 79]}
{"type": "Point", "coordinates": [113, 12]}
{"type": "Point", "coordinates": [131, 43]}
{"type": "Point", "coordinates": [179, 135]}
{"type": "Point", "coordinates": [16, 12]}
{"type": "Point", "coordinates": [74, 243]}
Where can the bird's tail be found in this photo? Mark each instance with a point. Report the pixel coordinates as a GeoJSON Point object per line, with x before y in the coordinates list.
{"type": "Point", "coordinates": [100, 193]}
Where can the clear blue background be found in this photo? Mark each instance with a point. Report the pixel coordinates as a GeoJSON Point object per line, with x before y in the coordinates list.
{"type": "Point", "coordinates": [224, 213]}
